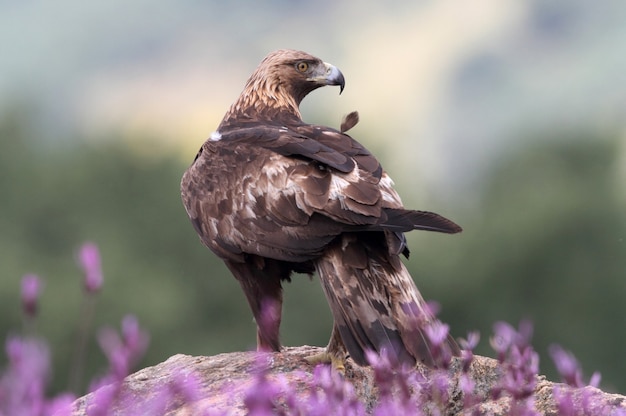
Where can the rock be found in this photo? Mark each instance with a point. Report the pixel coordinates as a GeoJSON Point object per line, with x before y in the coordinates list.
{"type": "Point", "coordinates": [186, 385]}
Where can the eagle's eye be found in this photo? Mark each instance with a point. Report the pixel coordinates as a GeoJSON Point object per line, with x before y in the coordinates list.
{"type": "Point", "coordinates": [302, 66]}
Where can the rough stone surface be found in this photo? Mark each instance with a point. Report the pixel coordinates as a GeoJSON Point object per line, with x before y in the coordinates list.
{"type": "Point", "coordinates": [224, 379]}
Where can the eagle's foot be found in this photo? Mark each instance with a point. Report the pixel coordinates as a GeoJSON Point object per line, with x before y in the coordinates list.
{"type": "Point", "coordinates": [335, 353]}
{"type": "Point", "coordinates": [337, 362]}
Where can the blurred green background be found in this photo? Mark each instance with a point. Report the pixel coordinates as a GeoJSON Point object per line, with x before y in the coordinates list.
{"type": "Point", "coordinates": [506, 117]}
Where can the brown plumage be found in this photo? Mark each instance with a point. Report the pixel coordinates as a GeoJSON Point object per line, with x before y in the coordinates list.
{"type": "Point", "coordinates": [272, 195]}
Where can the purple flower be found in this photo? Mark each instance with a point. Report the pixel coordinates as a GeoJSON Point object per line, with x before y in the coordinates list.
{"type": "Point", "coordinates": [334, 392]}
{"type": "Point", "coordinates": [594, 381]}
{"type": "Point", "coordinates": [564, 401]}
{"type": "Point", "coordinates": [135, 339]}
{"type": "Point", "coordinates": [520, 364]}
{"type": "Point", "coordinates": [187, 386]}
{"type": "Point", "coordinates": [467, 386]}
{"type": "Point", "coordinates": [471, 342]}
{"type": "Point", "coordinates": [103, 399]}
{"type": "Point", "coordinates": [569, 369]}
{"type": "Point", "coordinates": [123, 352]}
{"type": "Point", "coordinates": [22, 385]}
{"type": "Point", "coordinates": [437, 333]}
{"type": "Point", "coordinates": [566, 365]}
{"type": "Point", "coordinates": [184, 387]}
{"type": "Point", "coordinates": [260, 398]}
{"type": "Point", "coordinates": [432, 307]}
{"type": "Point", "coordinates": [89, 260]}
{"type": "Point", "coordinates": [467, 352]}
{"type": "Point", "coordinates": [396, 383]}
{"type": "Point", "coordinates": [31, 288]}
{"type": "Point", "coordinates": [503, 338]}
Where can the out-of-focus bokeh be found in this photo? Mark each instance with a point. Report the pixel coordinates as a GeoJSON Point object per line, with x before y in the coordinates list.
{"type": "Point", "coordinates": [506, 116]}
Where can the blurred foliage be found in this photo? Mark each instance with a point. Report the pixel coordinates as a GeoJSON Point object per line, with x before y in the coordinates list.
{"type": "Point", "coordinates": [547, 244]}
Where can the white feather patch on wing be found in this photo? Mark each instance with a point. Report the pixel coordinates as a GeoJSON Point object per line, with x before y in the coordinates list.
{"type": "Point", "coordinates": [215, 136]}
{"type": "Point", "coordinates": [339, 182]}
{"type": "Point", "coordinates": [388, 193]}
{"type": "Point", "coordinates": [337, 185]}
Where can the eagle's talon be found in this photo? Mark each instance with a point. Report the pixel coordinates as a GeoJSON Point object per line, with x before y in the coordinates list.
{"type": "Point", "coordinates": [336, 362]}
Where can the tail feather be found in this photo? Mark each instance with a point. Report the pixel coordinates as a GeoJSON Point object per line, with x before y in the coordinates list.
{"type": "Point", "coordinates": [403, 220]}
{"type": "Point", "coordinates": [374, 301]}
{"type": "Point", "coordinates": [361, 321]}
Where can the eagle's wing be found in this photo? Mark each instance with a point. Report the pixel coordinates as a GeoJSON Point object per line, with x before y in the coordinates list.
{"type": "Point", "coordinates": [285, 194]}
{"type": "Point", "coordinates": [243, 197]}
{"type": "Point", "coordinates": [362, 197]}
{"type": "Point", "coordinates": [334, 175]}
{"type": "Point", "coordinates": [289, 142]}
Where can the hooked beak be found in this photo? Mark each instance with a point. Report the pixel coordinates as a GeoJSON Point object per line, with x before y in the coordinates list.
{"type": "Point", "coordinates": [334, 76]}
{"type": "Point", "coordinates": [331, 76]}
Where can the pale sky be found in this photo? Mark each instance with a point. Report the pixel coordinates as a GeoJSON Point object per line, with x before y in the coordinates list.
{"type": "Point", "coordinates": [441, 87]}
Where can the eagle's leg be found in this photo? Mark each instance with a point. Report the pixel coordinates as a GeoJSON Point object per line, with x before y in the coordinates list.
{"type": "Point", "coordinates": [264, 293]}
{"type": "Point", "coordinates": [335, 353]}
{"type": "Point", "coordinates": [267, 316]}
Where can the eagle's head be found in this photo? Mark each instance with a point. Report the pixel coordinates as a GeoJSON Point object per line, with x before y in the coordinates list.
{"type": "Point", "coordinates": [280, 82]}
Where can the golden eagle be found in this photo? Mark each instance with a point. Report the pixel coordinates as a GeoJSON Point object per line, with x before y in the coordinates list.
{"type": "Point", "coordinates": [271, 195]}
